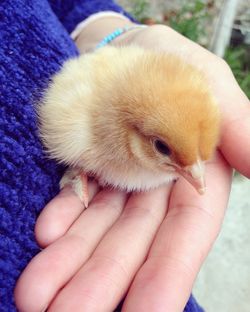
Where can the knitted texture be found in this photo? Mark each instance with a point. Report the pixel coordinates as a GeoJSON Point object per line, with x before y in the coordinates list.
{"type": "Point", "coordinates": [72, 12]}
{"type": "Point", "coordinates": [34, 44]}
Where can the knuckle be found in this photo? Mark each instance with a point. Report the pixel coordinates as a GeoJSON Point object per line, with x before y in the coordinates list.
{"type": "Point", "coordinates": [224, 65]}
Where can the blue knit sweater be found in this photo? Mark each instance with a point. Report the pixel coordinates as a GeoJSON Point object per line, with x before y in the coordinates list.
{"type": "Point", "coordinates": [34, 42]}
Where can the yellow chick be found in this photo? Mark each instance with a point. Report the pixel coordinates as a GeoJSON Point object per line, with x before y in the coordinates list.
{"type": "Point", "coordinates": [132, 118]}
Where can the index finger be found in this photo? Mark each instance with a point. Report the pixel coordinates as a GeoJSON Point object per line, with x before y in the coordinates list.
{"type": "Point", "coordinates": [186, 235]}
{"type": "Point", "coordinates": [235, 132]}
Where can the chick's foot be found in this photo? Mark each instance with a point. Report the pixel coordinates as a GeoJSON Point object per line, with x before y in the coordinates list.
{"type": "Point", "coordinates": [78, 180]}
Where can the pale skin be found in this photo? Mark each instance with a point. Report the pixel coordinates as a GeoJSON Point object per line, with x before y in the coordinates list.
{"type": "Point", "coordinates": [148, 246]}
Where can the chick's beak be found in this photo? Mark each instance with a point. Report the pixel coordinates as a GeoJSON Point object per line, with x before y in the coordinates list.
{"type": "Point", "coordinates": [194, 174]}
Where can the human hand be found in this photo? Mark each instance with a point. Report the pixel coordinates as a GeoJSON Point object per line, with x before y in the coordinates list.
{"type": "Point", "coordinates": [98, 262]}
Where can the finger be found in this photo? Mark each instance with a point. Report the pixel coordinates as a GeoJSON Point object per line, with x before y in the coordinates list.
{"type": "Point", "coordinates": [55, 265]}
{"type": "Point", "coordinates": [59, 214]}
{"type": "Point", "coordinates": [235, 130]}
{"type": "Point", "coordinates": [192, 223]}
{"type": "Point", "coordinates": [105, 278]}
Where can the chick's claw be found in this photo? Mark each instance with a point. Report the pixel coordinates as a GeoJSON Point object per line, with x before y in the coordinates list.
{"type": "Point", "coordinates": [78, 180]}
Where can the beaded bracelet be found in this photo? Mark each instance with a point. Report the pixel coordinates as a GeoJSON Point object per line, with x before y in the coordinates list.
{"type": "Point", "coordinates": [116, 33]}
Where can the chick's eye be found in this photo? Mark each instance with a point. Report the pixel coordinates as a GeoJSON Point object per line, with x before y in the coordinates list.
{"type": "Point", "coordinates": [162, 147]}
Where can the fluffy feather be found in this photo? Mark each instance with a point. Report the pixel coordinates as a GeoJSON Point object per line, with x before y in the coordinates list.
{"type": "Point", "coordinates": [104, 112]}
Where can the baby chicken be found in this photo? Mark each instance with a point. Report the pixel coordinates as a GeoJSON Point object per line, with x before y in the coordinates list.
{"type": "Point", "coordinates": [132, 118]}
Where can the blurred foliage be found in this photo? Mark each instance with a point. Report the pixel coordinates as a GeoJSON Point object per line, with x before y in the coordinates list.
{"type": "Point", "coordinates": [139, 9]}
{"type": "Point", "coordinates": [239, 61]}
{"type": "Point", "coordinates": [190, 20]}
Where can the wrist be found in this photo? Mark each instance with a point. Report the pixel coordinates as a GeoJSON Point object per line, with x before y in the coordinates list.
{"type": "Point", "coordinates": [95, 31]}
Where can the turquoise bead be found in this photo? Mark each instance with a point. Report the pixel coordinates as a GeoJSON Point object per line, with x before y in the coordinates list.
{"type": "Point", "coordinates": [116, 33]}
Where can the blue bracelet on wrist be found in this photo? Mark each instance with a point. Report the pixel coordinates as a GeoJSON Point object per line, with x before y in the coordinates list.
{"type": "Point", "coordinates": [116, 33]}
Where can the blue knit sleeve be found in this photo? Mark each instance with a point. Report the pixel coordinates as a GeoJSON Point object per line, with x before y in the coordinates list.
{"type": "Point", "coordinates": [72, 12]}
{"type": "Point", "coordinates": [33, 45]}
